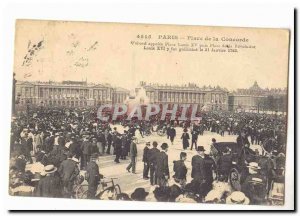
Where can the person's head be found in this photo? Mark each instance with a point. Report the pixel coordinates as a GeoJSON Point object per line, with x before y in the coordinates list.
{"type": "Point", "coordinates": [175, 191]}
{"type": "Point", "coordinates": [162, 194]}
{"type": "Point", "coordinates": [164, 147]}
{"type": "Point", "coordinates": [184, 130]}
{"type": "Point", "coordinates": [148, 144]}
{"type": "Point", "coordinates": [213, 140]}
{"type": "Point", "coordinates": [154, 144]}
{"type": "Point", "coordinates": [139, 194]}
{"type": "Point", "coordinates": [182, 156]}
{"type": "Point", "coordinates": [201, 150]}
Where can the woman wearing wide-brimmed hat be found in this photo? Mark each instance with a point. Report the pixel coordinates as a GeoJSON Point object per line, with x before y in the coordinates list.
{"type": "Point", "coordinates": [185, 139]}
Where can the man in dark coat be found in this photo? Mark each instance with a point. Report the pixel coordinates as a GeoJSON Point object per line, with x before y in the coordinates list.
{"type": "Point", "coordinates": [224, 164]}
{"type": "Point", "coordinates": [146, 161]}
{"type": "Point", "coordinates": [101, 142]}
{"type": "Point", "coordinates": [118, 148]}
{"type": "Point", "coordinates": [133, 155]}
{"type": "Point", "coordinates": [153, 153]}
{"type": "Point", "coordinates": [195, 134]}
{"type": "Point", "coordinates": [85, 149]}
{"type": "Point", "coordinates": [172, 134]}
{"type": "Point", "coordinates": [50, 185]}
{"type": "Point", "coordinates": [180, 170]}
{"type": "Point", "coordinates": [162, 166]}
{"type": "Point", "coordinates": [210, 168]}
{"type": "Point", "coordinates": [94, 147]}
{"type": "Point", "coordinates": [27, 147]}
{"type": "Point", "coordinates": [68, 171]}
{"type": "Point", "coordinates": [124, 146]}
{"type": "Point", "coordinates": [92, 176]}
{"type": "Point", "coordinates": [74, 148]}
{"type": "Point", "coordinates": [185, 139]}
{"type": "Point", "coordinates": [198, 169]}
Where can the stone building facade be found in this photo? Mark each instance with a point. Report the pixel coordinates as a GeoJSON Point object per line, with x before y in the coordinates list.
{"type": "Point", "coordinates": [67, 93]}
{"type": "Point", "coordinates": [211, 98]}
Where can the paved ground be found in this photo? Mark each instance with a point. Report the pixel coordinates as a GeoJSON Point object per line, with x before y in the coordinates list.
{"type": "Point", "coordinates": [129, 181]}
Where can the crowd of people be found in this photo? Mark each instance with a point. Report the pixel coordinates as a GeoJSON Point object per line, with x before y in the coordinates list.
{"type": "Point", "coordinates": [57, 144]}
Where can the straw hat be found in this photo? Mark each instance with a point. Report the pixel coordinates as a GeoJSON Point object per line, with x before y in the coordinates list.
{"type": "Point", "coordinates": [237, 197]}
{"type": "Point", "coordinates": [49, 169]}
{"type": "Point", "coordinates": [75, 159]}
{"type": "Point", "coordinates": [253, 165]}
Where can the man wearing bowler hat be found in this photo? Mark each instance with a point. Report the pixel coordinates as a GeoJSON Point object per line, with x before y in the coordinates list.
{"type": "Point", "coordinates": [198, 168]}
{"type": "Point", "coordinates": [152, 155]}
{"type": "Point", "coordinates": [146, 160]}
{"type": "Point", "coordinates": [162, 166]}
{"type": "Point", "coordinates": [92, 176]}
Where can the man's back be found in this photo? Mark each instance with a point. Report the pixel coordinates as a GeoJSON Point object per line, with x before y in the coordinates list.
{"type": "Point", "coordinates": [49, 186]}
{"type": "Point", "coordinates": [67, 169]}
{"type": "Point", "coordinates": [93, 174]}
{"type": "Point", "coordinates": [153, 153]}
{"type": "Point", "coordinates": [133, 149]}
{"type": "Point", "coordinates": [162, 166]}
{"type": "Point", "coordinates": [198, 169]}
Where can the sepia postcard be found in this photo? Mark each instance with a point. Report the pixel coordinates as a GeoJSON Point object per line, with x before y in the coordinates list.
{"type": "Point", "coordinates": [153, 113]}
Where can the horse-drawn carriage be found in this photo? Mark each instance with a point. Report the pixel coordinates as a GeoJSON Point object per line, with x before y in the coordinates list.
{"type": "Point", "coordinates": [239, 170]}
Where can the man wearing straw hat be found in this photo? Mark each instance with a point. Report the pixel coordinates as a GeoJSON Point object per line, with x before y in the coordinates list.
{"type": "Point", "coordinates": [237, 197]}
{"type": "Point", "coordinates": [255, 184]}
{"type": "Point", "coordinates": [49, 185]}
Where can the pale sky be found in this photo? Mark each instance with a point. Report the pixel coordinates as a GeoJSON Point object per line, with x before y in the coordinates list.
{"type": "Point", "coordinates": [102, 53]}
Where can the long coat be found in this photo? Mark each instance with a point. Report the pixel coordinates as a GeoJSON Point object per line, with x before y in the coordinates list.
{"type": "Point", "coordinates": [68, 171]}
{"type": "Point", "coordinates": [133, 149]}
{"type": "Point", "coordinates": [180, 170]}
{"type": "Point", "coordinates": [49, 186]}
{"type": "Point", "coordinates": [146, 155]}
{"type": "Point", "coordinates": [162, 167]}
{"type": "Point", "coordinates": [198, 168]}
{"type": "Point", "coordinates": [153, 154]}
{"type": "Point", "coordinates": [93, 175]}
{"type": "Point", "coordinates": [185, 140]}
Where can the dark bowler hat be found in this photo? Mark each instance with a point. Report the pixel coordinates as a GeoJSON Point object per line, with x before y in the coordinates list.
{"type": "Point", "coordinates": [164, 146]}
{"type": "Point", "coordinates": [200, 148]}
{"type": "Point", "coordinates": [154, 143]}
{"type": "Point", "coordinates": [139, 194]}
